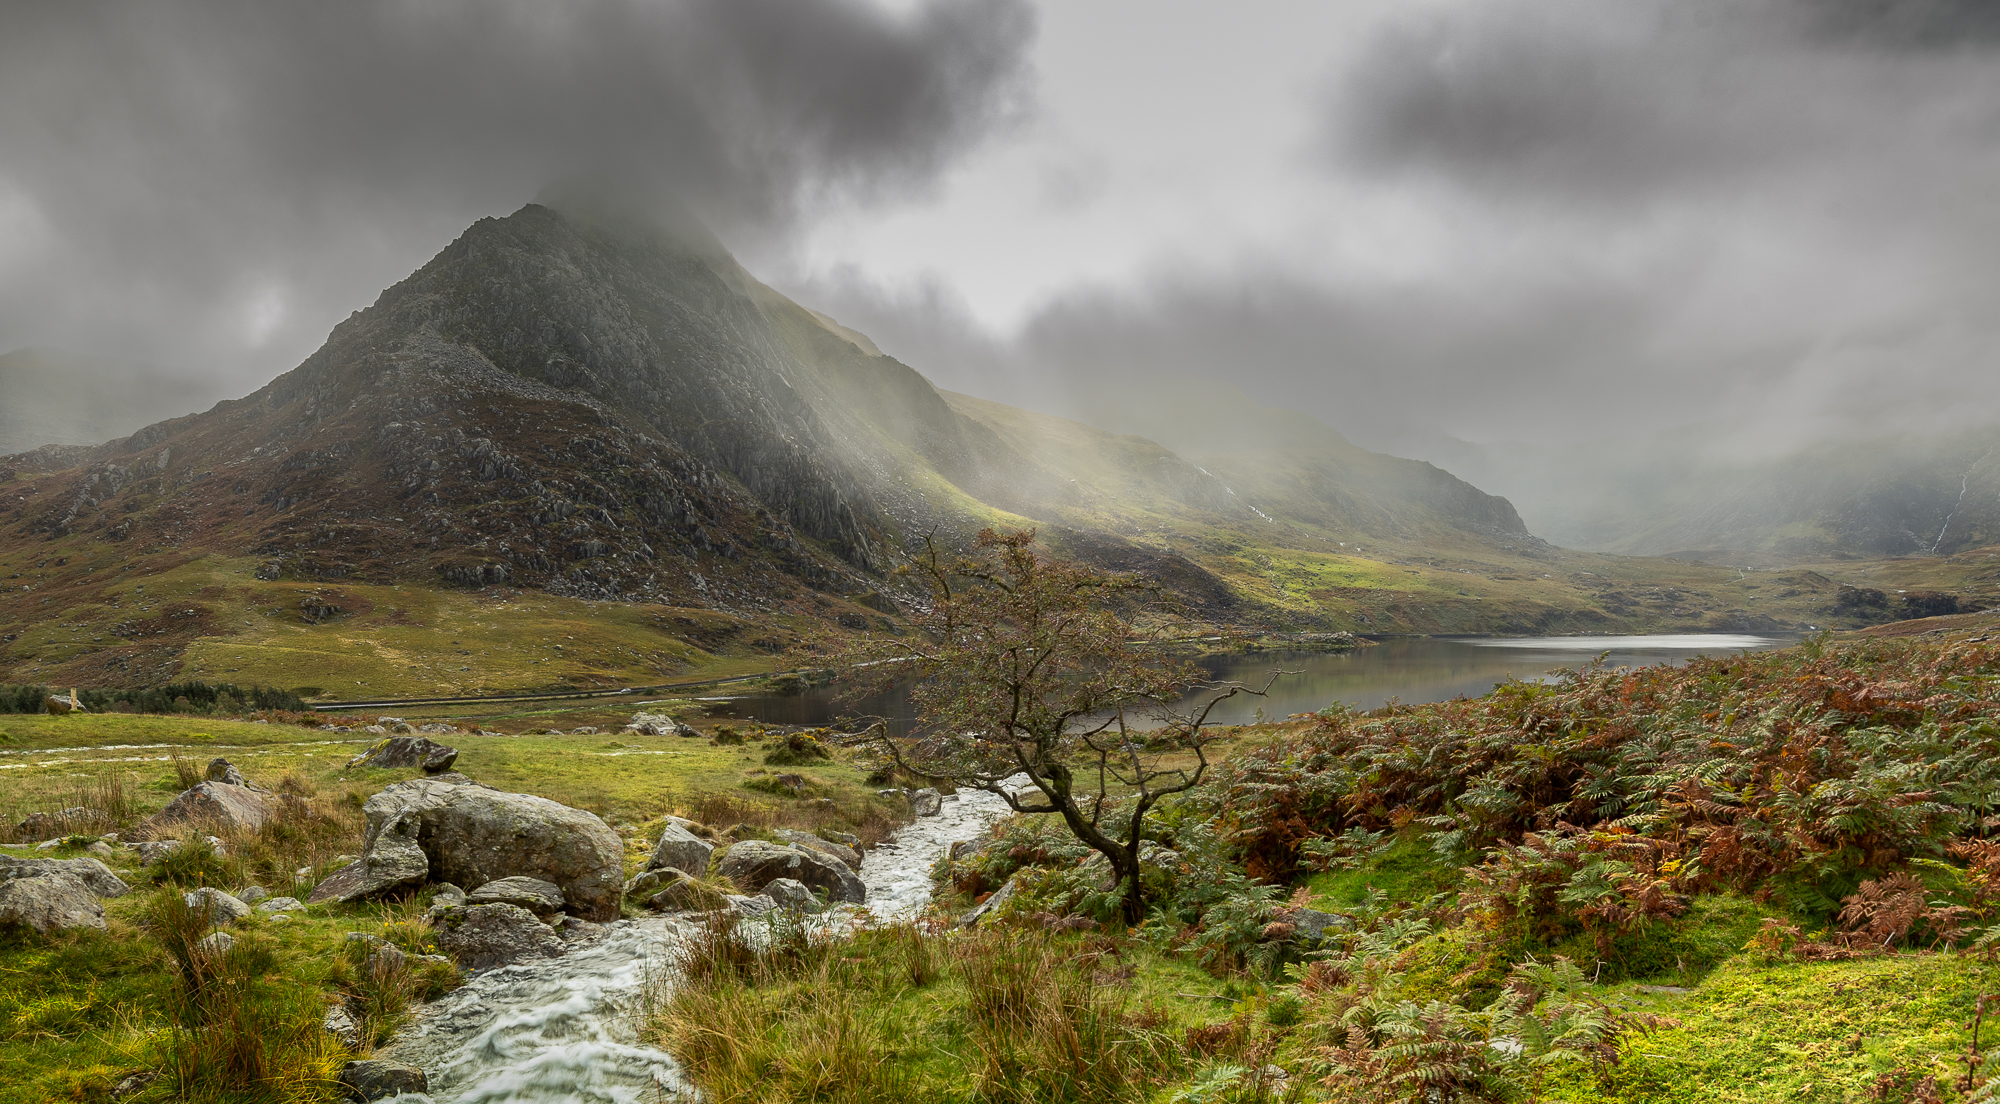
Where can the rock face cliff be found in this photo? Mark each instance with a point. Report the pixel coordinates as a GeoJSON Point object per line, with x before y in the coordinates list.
{"type": "Point", "coordinates": [601, 409]}
{"type": "Point", "coordinates": [607, 408]}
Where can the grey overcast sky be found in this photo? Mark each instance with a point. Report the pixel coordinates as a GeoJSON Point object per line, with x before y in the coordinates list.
{"type": "Point", "coordinates": [1491, 219]}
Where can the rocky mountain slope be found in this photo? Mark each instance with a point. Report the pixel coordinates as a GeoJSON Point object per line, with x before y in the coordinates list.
{"type": "Point", "coordinates": [601, 407]}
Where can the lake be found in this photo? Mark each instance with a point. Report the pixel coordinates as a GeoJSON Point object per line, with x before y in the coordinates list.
{"type": "Point", "coordinates": [1409, 669]}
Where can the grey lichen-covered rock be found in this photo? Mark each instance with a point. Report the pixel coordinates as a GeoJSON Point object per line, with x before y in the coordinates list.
{"type": "Point", "coordinates": [844, 853]}
{"type": "Point", "coordinates": [1312, 924]}
{"type": "Point", "coordinates": [659, 724]}
{"type": "Point", "coordinates": [213, 803]}
{"type": "Point", "coordinates": [224, 771]}
{"type": "Point", "coordinates": [408, 751]}
{"type": "Point", "coordinates": [250, 895]}
{"type": "Point", "coordinates": [95, 876]}
{"type": "Point", "coordinates": [753, 864]}
{"type": "Point", "coordinates": [472, 835]}
{"type": "Point", "coordinates": [480, 937]}
{"type": "Point", "coordinates": [681, 893]}
{"type": "Point", "coordinates": [216, 907]}
{"type": "Point", "coordinates": [680, 849]}
{"type": "Point", "coordinates": [49, 902]}
{"type": "Point", "coordinates": [385, 960]}
{"type": "Point", "coordinates": [36, 827]}
{"type": "Point", "coordinates": [926, 802]}
{"type": "Point", "coordinates": [281, 904]}
{"type": "Point", "coordinates": [340, 1024]}
{"type": "Point", "coordinates": [444, 893]}
{"type": "Point", "coordinates": [341, 885]}
{"type": "Point", "coordinates": [376, 1078]}
{"type": "Point", "coordinates": [792, 895]}
{"type": "Point", "coordinates": [750, 906]}
{"type": "Point", "coordinates": [537, 896]}
{"type": "Point", "coordinates": [216, 944]}
{"type": "Point", "coordinates": [648, 882]}
{"type": "Point", "coordinates": [394, 861]}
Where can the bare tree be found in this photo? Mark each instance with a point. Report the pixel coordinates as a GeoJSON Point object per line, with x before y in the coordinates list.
{"type": "Point", "coordinates": [1023, 666]}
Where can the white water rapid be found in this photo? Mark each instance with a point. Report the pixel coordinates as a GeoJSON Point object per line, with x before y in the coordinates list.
{"type": "Point", "coordinates": [566, 1029]}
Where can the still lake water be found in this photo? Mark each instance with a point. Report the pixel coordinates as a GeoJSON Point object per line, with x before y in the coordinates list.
{"type": "Point", "coordinates": [1410, 670]}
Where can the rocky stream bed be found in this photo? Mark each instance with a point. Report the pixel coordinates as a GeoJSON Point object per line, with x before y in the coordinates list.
{"type": "Point", "coordinates": [567, 1028]}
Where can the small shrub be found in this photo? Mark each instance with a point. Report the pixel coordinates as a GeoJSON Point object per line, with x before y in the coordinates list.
{"type": "Point", "coordinates": [795, 748]}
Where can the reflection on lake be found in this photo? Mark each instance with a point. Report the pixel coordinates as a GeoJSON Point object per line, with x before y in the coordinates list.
{"type": "Point", "coordinates": [1412, 670]}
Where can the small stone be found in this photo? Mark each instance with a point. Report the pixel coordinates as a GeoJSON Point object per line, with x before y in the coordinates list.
{"type": "Point", "coordinates": [992, 904]}
{"type": "Point", "coordinates": [444, 893]}
{"type": "Point", "coordinates": [926, 802]}
{"type": "Point", "coordinates": [224, 771]}
{"type": "Point", "coordinates": [792, 895]}
{"type": "Point", "coordinates": [133, 1082]}
{"type": "Point", "coordinates": [385, 960]}
{"type": "Point", "coordinates": [340, 1024]}
{"type": "Point", "coordinates": [684, 894]}
{"type": "Point", "coordinates": [216, 907]}
{"type": "Point", "coordinates": [101, 849]}
{"type": "Point", "coordinates": [216, 943]}
{"type": "Point", "coordinates": [253, 894]}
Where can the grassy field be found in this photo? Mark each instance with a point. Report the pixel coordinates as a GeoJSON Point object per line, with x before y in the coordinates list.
{"type": "Point", "coordinates": [80, 1012]}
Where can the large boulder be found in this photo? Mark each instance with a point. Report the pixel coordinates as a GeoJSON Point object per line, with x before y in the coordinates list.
{"type": "Point", "coordinates": [94, 875]}
{"type": "Point", "coordinates": [471, 835]}
{"type": "Point", "coordinates": [480, 937]}
{"type": "Point", "coordinates": [926, 802]}
{"type": "Point", "coordinates": [49, 902]}
{"type": "Point", "coordinates": [846, 854]}
{"type": "Point", "coordinates": [680, 849]}
{"type": "Point", "coordinates": [408, 751]}
{"type": "Point", "coordinates": [753, 864]}
{"type": "Point", "coordinates": [215, 804]}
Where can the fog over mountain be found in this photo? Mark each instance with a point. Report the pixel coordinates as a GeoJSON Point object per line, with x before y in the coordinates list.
{"type": "Point", "coordinates": [1510, 237]}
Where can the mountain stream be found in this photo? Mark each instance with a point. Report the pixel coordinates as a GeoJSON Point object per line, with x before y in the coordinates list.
{"type": "Point", "coordinates": [567, 1029]}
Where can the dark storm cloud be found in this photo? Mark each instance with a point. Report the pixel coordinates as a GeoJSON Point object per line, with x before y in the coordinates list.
{"type": "Point", "coordinates": [212, 184]}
